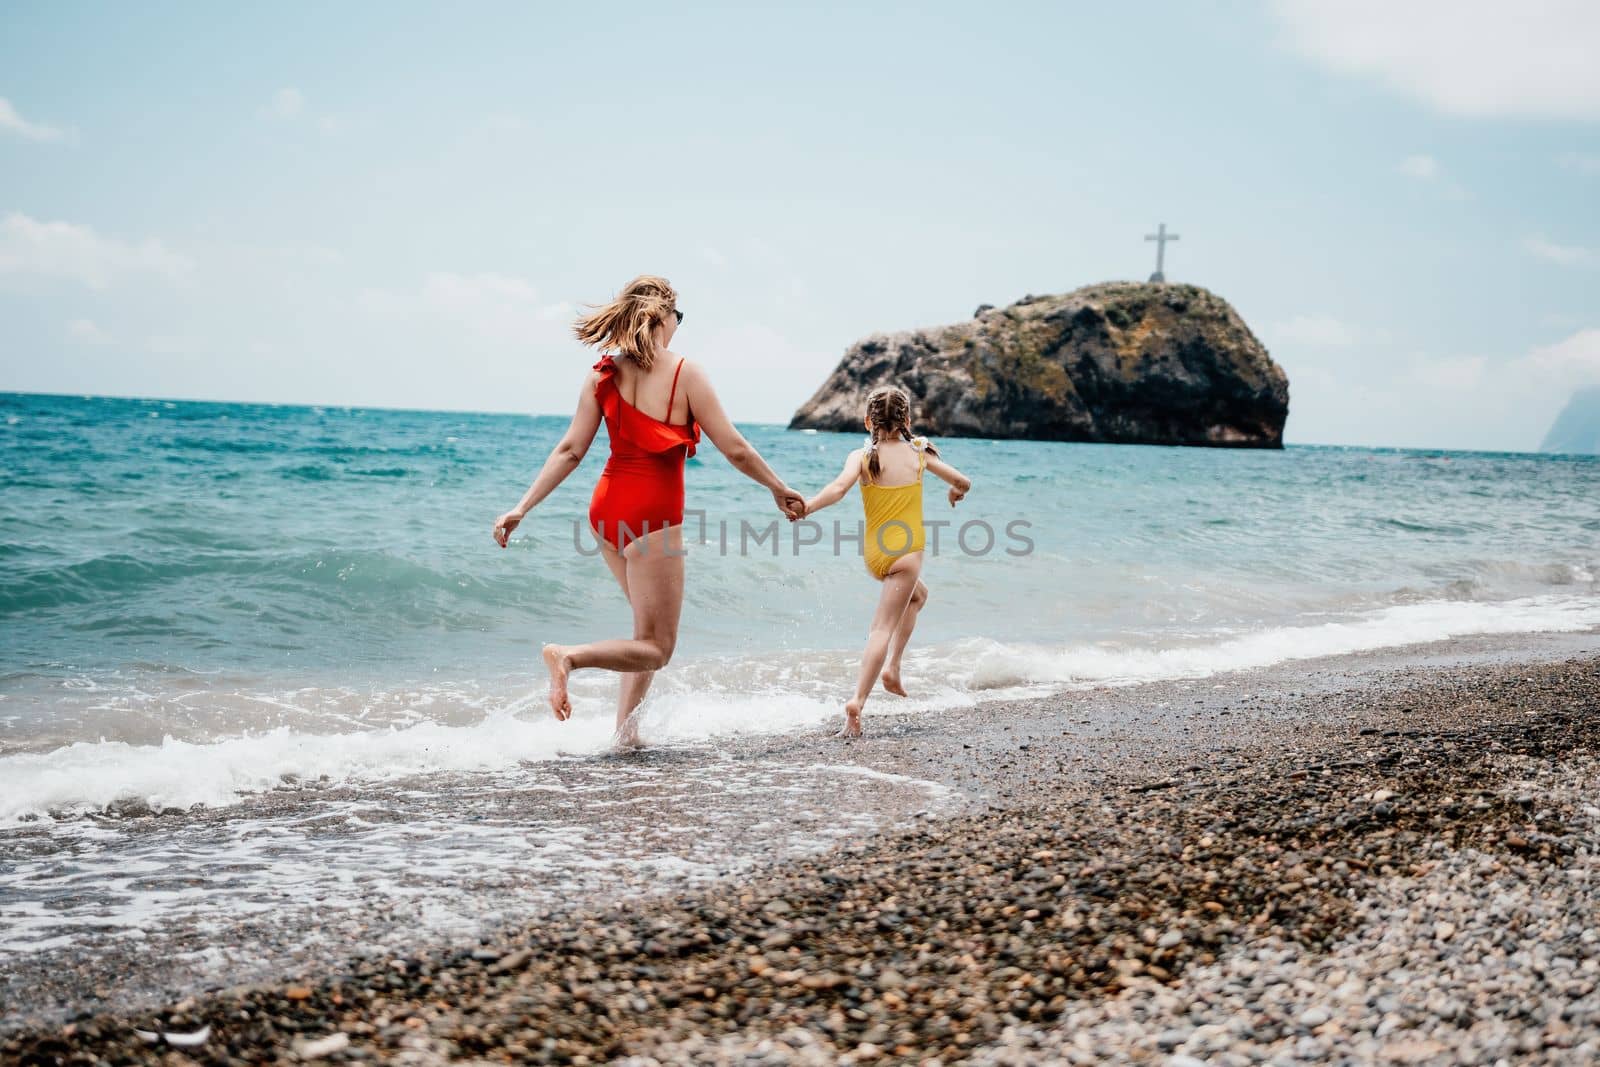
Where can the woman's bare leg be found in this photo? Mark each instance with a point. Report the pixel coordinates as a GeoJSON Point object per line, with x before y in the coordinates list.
{"type": "Point", "coordinates": [902, 637]}
{"type": "Point", "coordinates": [898, 586]}
{"type": "Point", "coordinates": [653, 568]}
{"type": "Point", "coordinates": [637, 684]}
{"type": "Point", "coordinates": [634, 687]}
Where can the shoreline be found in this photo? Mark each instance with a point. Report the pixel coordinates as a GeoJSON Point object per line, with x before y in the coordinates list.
{"type": "Point", "coordinates": [1022, 768]}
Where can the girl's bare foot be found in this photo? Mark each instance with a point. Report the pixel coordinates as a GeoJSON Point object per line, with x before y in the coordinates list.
{"type": "Point", "coordinates": [557, 663]}
{"type": "Point", "coordinates": [891, 681]}
{"type": "Point", "coordinates": [852, 720]}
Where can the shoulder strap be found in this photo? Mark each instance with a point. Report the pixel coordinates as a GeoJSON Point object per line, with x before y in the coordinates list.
{"type": "Point", "coordinates": [920, 444]}
{"type": "Point", "coordinates": [672, 396]}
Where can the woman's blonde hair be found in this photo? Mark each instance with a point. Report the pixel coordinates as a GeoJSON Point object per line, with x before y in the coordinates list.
{"type": "Point", "coordinates": [628, 323]}
{"type": "Point", "coordinates": [888, 416]}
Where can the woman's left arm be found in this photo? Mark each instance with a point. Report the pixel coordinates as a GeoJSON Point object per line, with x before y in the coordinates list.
{"type": "Point", "coordinates": [562, 461]}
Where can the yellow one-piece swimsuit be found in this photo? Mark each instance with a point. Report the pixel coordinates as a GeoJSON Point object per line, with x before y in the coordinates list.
{"type": "Point", "coordinates": [894, 517]}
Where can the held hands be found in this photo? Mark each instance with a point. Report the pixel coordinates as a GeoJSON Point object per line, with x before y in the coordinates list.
{"type": "Point", "coordinates": [791, 503]}
{"type": "Point", "coordinates": [504, 525]}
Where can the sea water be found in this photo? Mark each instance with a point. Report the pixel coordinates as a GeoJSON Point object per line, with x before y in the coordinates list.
{"type": "Point", "coordinates": [292, 625]}
{"type": "Point", "coordinates": [199, 601]}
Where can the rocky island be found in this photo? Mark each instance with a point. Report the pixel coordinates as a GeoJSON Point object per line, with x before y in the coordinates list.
{"type": "Point", "coordinates": [1119, 362]}
{"type": "Point", "coordinates": [1577, 429]}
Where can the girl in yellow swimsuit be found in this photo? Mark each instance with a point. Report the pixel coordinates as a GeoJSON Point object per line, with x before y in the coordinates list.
{"type": "Point", "coordinates": [889, 470]}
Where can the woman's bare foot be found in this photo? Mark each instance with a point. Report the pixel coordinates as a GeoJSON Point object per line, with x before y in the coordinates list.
{"type": "Point", "coordinates": [852, 720]}
{"type": "Point", "coordinates": [891, 681]}
{"type": "Point", "coordinates": [628, 734]}
{"type": "Point", "coordinates": [557, 663]}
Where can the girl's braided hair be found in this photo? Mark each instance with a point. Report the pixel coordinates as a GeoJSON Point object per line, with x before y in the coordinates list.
{"type": "Point", "coordinates": [888, 416]}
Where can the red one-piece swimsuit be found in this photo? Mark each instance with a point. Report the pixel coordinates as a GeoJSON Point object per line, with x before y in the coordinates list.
{"type": "Point", "coordinates": [641, 489]}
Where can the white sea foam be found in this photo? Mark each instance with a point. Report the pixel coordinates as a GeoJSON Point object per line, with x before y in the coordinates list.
{"type": "Point", "coordinates": [998, 665]}
{"type": "Point", "coordinates": [177, 773]}
{"type": "Point", "coordinates": [704, 701]}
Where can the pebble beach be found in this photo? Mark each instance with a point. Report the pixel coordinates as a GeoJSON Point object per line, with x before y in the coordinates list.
{"type": "Point", "coordinates": [1246, 709]}
{"type": "Point", "coordinates": [1370, 861]}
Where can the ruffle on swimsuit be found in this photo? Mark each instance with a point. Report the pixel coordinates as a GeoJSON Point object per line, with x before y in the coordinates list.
{"type": "Point", "coordinates": [641, 489]}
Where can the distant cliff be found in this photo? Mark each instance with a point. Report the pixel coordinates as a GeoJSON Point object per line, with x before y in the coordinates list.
{"type": "Point", "coordinates": [1577, 428]}
{"type": "Point", "coordinates": [1123, 362]}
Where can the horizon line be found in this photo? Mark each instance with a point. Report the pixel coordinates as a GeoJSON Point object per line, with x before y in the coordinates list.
{"type": "Point", "coordinates": [746, 422]}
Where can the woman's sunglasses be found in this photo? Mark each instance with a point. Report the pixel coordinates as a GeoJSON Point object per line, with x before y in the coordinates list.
{"type": "Point", "coordinates": [678, 313]}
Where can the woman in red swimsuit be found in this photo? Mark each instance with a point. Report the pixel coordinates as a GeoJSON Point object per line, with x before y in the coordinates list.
{"type": "Point", "coordinates": [654, 404]}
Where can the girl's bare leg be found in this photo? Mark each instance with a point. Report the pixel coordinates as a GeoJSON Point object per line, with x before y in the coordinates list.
{"type": "Point", "coordinates": [898, 586]}
{"type": "Point", "coordinates": [902, 637]}
{"type": "Point", "coordinates": [653, 568]}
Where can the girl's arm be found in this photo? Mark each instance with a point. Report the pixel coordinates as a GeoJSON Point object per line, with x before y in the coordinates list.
{"type": "Point", "coordinates": [562, 461]}
{"type": "Point", "coordinates": [706, 409]}
{"type": "Point", "coordinates": [835, 490]}
{"type": "Point", "coordinates": [959, 483]}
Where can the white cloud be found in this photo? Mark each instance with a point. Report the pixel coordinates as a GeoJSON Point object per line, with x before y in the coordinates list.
{"type": "Point", "coordinates": [1319, 378]}
{"type": "Point", "coordinates": [790, 293]}
{"type": "Point", "coordinates": [290, 105]}
{"type": "Point", "coordinates": [1581, 163]}
{"type": "Point", "coordinates": [1573, 361]}
{"type": "Point", "coordinates": [496, 307]}
{"type": "Point", "coordinates": [503, 123]}
{"type": "Point", "coordinates": [1449, 372]}
{"type": "Point", "coordinates": [1473, 58]}
{"type": "Point", "coordinates": [1322, 330]}
{"type": "Point", "coordinates": [1424, 168]}
{"type": "Point", "coordinates": [290, 255]}
{"type": "Point", "coordinates": [76, 253]}
{"type": "Point", "coordinates": [1566, 255]}
{"type": "Point", "coordinates": [381, 304]}
{"type": "Point", "coordinates": [311, 254]}
{"type": "Point", "coordinates": [169, 345]}
{"type": "Point", "coordinates": [85, 332]}
{"type": "Point", "coordinates": [286, 103]}
{"type": "Point", "coordinates": [762, 372]}
{"type": "Point", "coordinates": [13, 123]}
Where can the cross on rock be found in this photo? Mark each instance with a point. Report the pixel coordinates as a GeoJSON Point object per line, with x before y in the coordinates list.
{"type": "Point", "coordinates": [1160, 237]}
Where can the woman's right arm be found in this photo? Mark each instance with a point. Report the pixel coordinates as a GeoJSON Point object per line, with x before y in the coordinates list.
{"type": "Point", "coordinates": [707, 411]}
{"type": "Point", "coordinates": [562, 461]}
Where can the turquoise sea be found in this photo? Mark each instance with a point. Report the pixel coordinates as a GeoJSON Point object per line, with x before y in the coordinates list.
{"type": "Point", "coordinates": [199, 599]}
{"type": "Point", "coordinates": [269, 691]}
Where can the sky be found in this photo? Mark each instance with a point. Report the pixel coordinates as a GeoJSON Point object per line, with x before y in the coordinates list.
{"type": "Point", "coordinates": [405, 205]}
